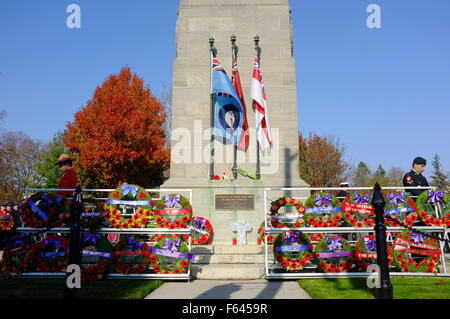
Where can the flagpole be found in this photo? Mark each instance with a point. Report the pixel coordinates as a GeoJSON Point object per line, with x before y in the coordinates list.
{"type": "Point", "coordinates": [234, 54]}
{"type": "Point", "coordinates": [258, 162]}
{"type": "Point", "coordinates": [213, 52]}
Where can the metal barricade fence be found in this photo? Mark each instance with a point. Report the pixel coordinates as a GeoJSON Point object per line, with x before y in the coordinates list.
{"type": "Point", "coordinates": [273, 270]}
{"type": "Point", "coordinates": [131, 231]}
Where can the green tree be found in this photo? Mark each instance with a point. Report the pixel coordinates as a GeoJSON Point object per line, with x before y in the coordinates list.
{"type": "Point", "coordinates": [379, 176]}
{"type": "Point", "coordinates": [395, 176]}
{"type": "Point", "coordinates": [438, 179]}
{"type": "Point", "coordinates": [361, 175]}
{"type": "Point", "coordinates": [47, 171]}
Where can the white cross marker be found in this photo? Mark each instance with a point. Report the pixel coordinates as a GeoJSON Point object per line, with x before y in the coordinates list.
{"type": "Point", "coordinates": [241, 227]}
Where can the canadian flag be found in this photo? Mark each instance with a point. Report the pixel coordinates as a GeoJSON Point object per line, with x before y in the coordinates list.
{"type": "Point", "coordinates": [258, 94]}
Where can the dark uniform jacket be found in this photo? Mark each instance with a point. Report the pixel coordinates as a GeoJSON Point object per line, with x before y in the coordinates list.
{"type": "Point", "coordinates": [414, 179]}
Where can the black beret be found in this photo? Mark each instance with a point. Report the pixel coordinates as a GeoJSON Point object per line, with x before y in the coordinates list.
{"type": "Point", "coordinates": [420, 161]}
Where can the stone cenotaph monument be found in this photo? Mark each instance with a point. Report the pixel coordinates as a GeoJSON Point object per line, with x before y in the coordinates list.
{"type": "Point", "coordinates": [226, 201]}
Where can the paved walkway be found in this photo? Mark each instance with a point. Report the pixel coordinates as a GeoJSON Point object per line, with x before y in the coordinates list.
{"type": "Point", "coordinates": [230, 289]}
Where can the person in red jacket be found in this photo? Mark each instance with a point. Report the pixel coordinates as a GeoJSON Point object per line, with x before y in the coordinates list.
{"type": "Point", "coordinates": [69, 179]}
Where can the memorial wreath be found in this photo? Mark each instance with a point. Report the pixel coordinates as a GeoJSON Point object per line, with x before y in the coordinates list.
{"type": "Point", "coordinates": [42, 210]}
{"type": "Point", "coordinates": [333, 253]}
{"type": "Point", "coordinates": [18, 256]}
{"type": "Point", "coordinates": [170, 256]}
{"type": "Point", "coordinates": [51, 254]}
{"type": "Point", "coordinates": [97, 253]}
{"type": "Point", "coordinates": [323, 210]}
{"type": "Point", "coordinates": [132, 200]}
{"type": "Point", "coordinates": [173, 211]}
{"type": "Point", "coordinates": [6, 220]}
{"type": "Point", "coordinates": [424, 252]}
{"type": "Point", "coordinates": [357, 211]}
{"type": "Point", "coordinates": [202, 231]}
{"type": "Point", "coordinates": [292, 250]}
{"type": "Point", "coordinates": [288, 220]}
{"type": "Point", "coordinates": [131, 255]}
{"type": "Point", "coordinates": [398, 205]}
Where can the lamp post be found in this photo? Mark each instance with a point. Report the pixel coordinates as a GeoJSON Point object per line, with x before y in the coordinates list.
{"type": "Point", "coordinates": [385, 291]}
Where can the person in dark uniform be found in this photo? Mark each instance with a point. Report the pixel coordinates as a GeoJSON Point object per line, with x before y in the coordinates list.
{"type": "Point", "coordinates": [415, 178]}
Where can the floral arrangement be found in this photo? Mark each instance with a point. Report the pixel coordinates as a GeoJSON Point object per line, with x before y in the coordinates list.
{"type": "Point", "coordinates": [287, 220]}
{"type": "Point", "coordinates": [170, 256]}
{"type": "Point", "coordinates": [398, 205]}
{"type": "Point", "coordinates": [426, 203]}
{"type": "Point", "coordinates": [202, 231]}
{"type": "Point", "coordinates": [97, 253]}
{"type": "Point", "coordinates": [366, 252]}
{"type": "Point", "coordinates": [129, 196]}
{"type": "Point", "coordinates": [426, 248]}
{"type": "Point", "coordinates": [42, 210]}
{"type": "Point", "coordinates": [323, 210]}
{"type": "Point", "coordinates": [51, 254]}
{"type": "Point", "coordinates": [262, 233]}
{"type": "Point", "coordinates": [131, 255]}
{"type": "Point", "coordinates": [334, 254]}
{"type": "Point", "coordinates": [6, 220]}
{"type": "Point", "coordinates": [357, 211]}
{"type": "Point", "coordinates": [173, 211]}
{"type": "Point", "coordinates": [93, 218]}
{"type": "Point", "coordinates": [292, 250]}
{"type": "Point", "coordinates": [18, 256]}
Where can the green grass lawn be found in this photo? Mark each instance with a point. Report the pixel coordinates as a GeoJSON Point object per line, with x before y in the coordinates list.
{"type": "Point", "coordinates": [356, 288]}
{"type": "Point", "coordinates": [54, 289]}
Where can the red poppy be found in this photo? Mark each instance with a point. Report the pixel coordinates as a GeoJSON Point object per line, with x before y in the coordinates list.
{"type": "Point", "coordinates": [117, 195]}
{"type": "Point", "coordinates": [184, 263]}
{"type": "Point", "coordinates": [159, 220]}
{"type": "Point", "coordinates": [284, 263]}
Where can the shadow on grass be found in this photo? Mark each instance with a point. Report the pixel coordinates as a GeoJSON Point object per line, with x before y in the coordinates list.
{"type": "Point", "coordinates": [347, 284]}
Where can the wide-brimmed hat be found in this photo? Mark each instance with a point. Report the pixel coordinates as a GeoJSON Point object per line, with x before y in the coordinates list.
{"type": "Point", "coordinates": [64, 158]}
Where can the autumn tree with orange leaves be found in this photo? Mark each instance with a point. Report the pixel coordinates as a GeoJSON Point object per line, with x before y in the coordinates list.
{"type": "Point", "coordinates": [119, 135]}
{"type": "Point", "coordinates": [322, 162]}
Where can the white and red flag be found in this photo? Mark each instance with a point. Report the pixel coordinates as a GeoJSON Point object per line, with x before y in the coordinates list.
{"type": "Point", "coordinates": [258, 94]}
{"type": "Point", "coordinates": [236, 81]}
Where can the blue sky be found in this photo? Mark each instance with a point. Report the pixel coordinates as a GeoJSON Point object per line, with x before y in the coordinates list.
{"type": "Point", "coordinates": [384, 92]}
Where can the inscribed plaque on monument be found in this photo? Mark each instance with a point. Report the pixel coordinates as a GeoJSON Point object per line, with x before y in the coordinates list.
{"type": "Point", "coordinates": [235, 202]}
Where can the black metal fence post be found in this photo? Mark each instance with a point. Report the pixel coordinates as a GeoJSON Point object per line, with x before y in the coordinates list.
{"type": "Point", "coordinates": [74, 237]}
{"type": "Point", "coordinates": [385, 291]}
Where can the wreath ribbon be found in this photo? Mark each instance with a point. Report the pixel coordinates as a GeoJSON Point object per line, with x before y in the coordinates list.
{"type": "Point", "coordinates": [323, 210]}
{"type": "Point", "coordinates": [399, 210]}
{"type": "Point", "coordinates": [173, 211]}
{"type": "Point", "coordinates": [128, 202]}
{"type": "Point", "coordinates": [335, 254]}
{"type": "Point", "coordinates": [96, 253]}
{"type": "Point", "coordinates": [128, 188]}
{"type": "Point", "coordinates": [293, 248]}
{"type": "Point", "coordinates": [435, 198]}
{"type": "Point", "coordinates": [357, 208]}
{"type": "Point", "coordinates": [37, 210]}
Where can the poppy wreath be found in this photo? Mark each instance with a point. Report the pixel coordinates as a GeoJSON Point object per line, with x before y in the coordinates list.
{"type": "Point", "coordinates": [51, 254]}
{"type": "Point", "coordinates": [292, 250]}
{"type": "Point", "coordinates": [93, 218]}
{"type": "Point", "coordinates": [426, 251]}
{"type": "Point", "coordinates": [398, 205]}
{"type": "Point", "coordinates": [357, 211]}
{"type": "Point", "coordinates": [18, 256]}
{"type": "Point", "coordinates": [262, 233]}
{"type": "Point", "coordinates": [42, 210]}
{"type": "Point", "coordinates": [6, 220]}
{"type": "Point", "coordinates": [366, 252]}
{"type": "Point", "coordinates": [129, 197]}
{"type": "Point", "coordinates": [202, 231]}
{"type": "Point", "coordinates": [425, 204]}
{"type": "Point", "coordinates": [323, 210]}
{"type": "Point", "coordinates": [172, 211]}
{"type": "Point", "coordinates": [334, 254]}
{"type": "Point", "coordinates": [131, 255]}
{"type": "Point", "coordinates": [97, 253]}
{"type": "Point", "coordinates": [170, 256]}
{"type": "Point", "coordinates": [286, 220]}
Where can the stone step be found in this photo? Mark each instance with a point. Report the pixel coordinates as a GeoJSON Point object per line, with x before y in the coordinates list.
{"type": "Point", "coordinates": [229, 259]}
{"type": "Point", "coordinates": [228, 249]}
{"type": "Point", "coordinates": [227, 271]}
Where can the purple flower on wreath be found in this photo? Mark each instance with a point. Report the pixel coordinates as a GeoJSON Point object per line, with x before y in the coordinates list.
{"type": "Point", "coordinates": [334, 243]}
